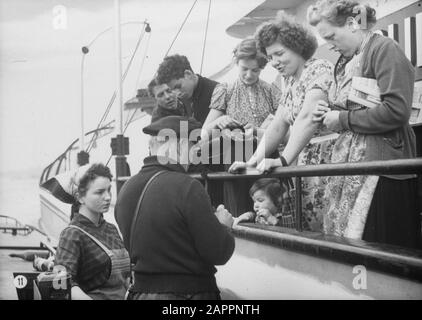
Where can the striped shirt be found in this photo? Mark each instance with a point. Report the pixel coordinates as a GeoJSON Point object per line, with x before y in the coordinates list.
{"type": "Point", "coordinates": [84, 260]}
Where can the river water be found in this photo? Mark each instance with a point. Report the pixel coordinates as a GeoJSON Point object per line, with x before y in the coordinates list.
{"type": "Point", "coordinates": [19, 196]}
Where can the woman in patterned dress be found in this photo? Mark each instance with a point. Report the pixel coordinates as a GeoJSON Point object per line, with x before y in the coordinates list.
{"type": "Point", "coordinates": [290, 47]}
{"type": "Point", "coordinates": [372, 208]}
{"type": "Point", "coordinates": [246, 102]}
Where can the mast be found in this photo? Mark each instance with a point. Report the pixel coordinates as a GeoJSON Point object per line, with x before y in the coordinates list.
{"type": "Point", "coordinates": [83, 156]}
{"type": "Point", "coordinates": [120, 144]}
{"type": "Point", "coordinates": [118, 48]}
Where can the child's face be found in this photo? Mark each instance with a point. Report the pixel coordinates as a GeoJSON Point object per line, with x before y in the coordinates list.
{"type": "Point", "coordinates": [262, 201]}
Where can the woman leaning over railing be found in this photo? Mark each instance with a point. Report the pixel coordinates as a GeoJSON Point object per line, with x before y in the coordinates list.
{"type": "Point", "coordinates": [381, 209]}
{"type": "Point", "coordinates": [290, 46]}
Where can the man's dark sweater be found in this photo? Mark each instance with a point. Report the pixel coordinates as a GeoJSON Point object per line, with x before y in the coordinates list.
{"type": "Point", "coordinates": [201, 98]}
{"type": "Point", "coordinates": [178, 239]}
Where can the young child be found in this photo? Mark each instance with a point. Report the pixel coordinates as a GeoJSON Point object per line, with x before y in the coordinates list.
{"type": "Point", "coordinates": [272, 204]}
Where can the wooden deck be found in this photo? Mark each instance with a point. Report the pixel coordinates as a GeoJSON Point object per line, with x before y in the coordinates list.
{"type": "Point", "coordinates": [15, 244]}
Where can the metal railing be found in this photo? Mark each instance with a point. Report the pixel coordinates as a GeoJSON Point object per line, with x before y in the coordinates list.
{"type": "Point", "coordinates": [8, 223]}
{"type": "Point", "coordinates": [387, 167]}
{"type": "Point", "coordinates": [58, 162]}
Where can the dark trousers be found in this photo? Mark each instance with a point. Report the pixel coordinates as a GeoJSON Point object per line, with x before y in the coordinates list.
{"type": "Point", "coordinates": [394, 216]}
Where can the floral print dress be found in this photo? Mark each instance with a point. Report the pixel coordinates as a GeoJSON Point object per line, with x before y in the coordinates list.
{"type": "Point", "coordinates": [246, 103]}
{"type": "Point", "coordinates": [350, 196]}
{"type": "Point", "coordinates": [317, 74]}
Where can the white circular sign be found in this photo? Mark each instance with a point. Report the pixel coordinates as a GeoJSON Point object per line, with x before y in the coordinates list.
{"type": "Point", "coordinates": [20, 281]}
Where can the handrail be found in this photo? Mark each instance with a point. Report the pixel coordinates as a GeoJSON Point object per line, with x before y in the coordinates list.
{"type": "Point", "coordinates": [402, 166]}
{"type": "Point", "coordinates": [384, 167]}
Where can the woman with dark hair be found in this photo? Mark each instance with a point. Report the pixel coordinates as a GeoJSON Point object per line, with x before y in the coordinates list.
{"type": "Point", "coordinates": [248, 100]}
{"type": "Point", "coordinates": [290, 47]}
{"type": "Point", "coordinates": [90, 248]}
{"type": "Point", "coordinates": [372, 208]}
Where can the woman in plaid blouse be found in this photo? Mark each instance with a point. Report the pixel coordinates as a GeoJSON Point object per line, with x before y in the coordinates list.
{"type": "Point", "coordinates": [90, 248]}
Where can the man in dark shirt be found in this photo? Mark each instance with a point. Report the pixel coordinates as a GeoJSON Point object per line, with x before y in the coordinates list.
{"type": "Point", "coordinates": [168, 104]}
{"type": "Point", "coordinates": [177, 237]}
{"type": "Point", "coordinates": [177, 73]}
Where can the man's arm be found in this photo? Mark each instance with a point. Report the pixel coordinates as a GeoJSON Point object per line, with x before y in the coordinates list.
{"type": "Point", "coordinates": [212, 240]}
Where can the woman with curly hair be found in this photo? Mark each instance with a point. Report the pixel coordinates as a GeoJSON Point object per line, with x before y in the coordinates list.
{"type": "Point", "coordinates": [372, 208]}
{"type": "Point", "coordinates": [290, 47]}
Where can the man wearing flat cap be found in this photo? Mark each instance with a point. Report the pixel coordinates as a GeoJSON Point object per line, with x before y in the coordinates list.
{"type": "Point", "coordinates": [173, 235]}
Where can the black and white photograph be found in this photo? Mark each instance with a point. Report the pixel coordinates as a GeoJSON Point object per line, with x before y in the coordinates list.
{"type": "Point", "coordinates": [221, 153]}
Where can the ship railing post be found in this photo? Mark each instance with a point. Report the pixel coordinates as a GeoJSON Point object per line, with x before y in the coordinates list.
{"type": "Point", "coordinates": [298, 203]}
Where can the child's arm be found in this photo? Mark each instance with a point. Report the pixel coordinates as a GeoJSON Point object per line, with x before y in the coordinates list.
{"type": "Point", "coordinates": [247, 216]}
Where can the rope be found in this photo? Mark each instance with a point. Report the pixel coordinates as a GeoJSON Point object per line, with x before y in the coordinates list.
{"type": "Point", "coordinates": [181, 27]}
{"type": "Point", "coordinates": [205, 37]}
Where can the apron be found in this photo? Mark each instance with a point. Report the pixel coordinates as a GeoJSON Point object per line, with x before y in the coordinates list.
{"type": "Point", "coordinates": [116, 286]}
{"type": "Point", "coordinates": [350, 197]}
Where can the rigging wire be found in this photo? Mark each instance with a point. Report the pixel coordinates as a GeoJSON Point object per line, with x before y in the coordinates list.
{"type": "Point", "coordinates": [105, 114]}
{"type": "Point", "coordinates": [181, 27]}
{"type": "Point", "coordinates": [142, 63]}
{"type": "Point", "coordinates": [205, 37]}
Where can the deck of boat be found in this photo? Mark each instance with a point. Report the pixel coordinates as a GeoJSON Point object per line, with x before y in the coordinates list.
{"type": "Point", "coordinates": [8, 265]}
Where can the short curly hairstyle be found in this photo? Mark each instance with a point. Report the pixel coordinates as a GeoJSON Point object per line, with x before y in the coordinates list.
{"type": "Point", "coordinates": [95, 171]}
{"type": "Point", "coordinates": [172, 67]}
{"type": "Point", "coordinates": [336, 12]}
{"type": "Point", "coordinates": [289, 33]}
{"type": "Point", "coordinates": [248, 49]}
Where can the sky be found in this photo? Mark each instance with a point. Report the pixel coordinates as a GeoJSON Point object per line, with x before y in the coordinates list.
{"type": "Point", "coordinates": [40, 63]}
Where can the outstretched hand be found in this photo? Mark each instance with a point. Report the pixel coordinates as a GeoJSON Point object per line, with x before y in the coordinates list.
{"type": "Point", "coordinates": [224, 216]}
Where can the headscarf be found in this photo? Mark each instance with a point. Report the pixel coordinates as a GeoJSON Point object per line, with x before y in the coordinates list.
{"type": "Point", "coordinates": [65, 186]}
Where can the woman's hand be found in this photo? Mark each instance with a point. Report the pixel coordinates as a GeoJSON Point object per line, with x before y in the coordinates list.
{"type": "Point", "coordinates": [249, 129]}
{"type": "Point", "coordinates": [320, 111]}
{"type": "Point", "coordinates": [267, 164]}
{"type": "Point", "coordinates": [226, 122]}
{"type": "Point", "coordinates": [239, 166]}
{"type": "Point", "coordinates": [332, 120]}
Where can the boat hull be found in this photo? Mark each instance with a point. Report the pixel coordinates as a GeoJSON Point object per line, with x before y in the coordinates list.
{"type": "Point", "coordinates": [263, 271]}
{"type": "Point", "coordinates": [260, 270]}
{"type": "Point", "coordinates": [55, 215]}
